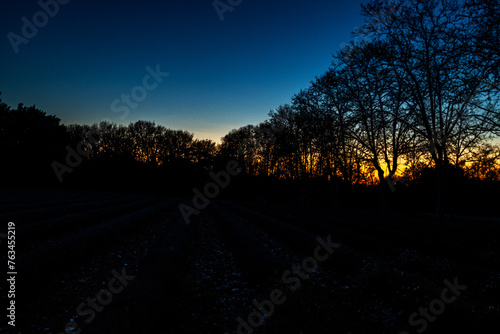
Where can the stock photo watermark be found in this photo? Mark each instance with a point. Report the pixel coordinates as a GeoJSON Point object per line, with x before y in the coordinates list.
{"type": "Point", "coordinates": [210, 191]}
{"type": "Point", "coordinates": [139, 93]}
{"type": "Point", "coordinates": [277, 297]}
{"type": "Point", "coordinates": [436, 306]}
{"type": "Point", "coordinates": [222, 7]}
{"type": "Point", "coordinates": [392, 181]}
{"type": "Point", "coordinates": [103, 298]}
{"type": "Point", "coordinates": [12, 272]}
{"type": "Point", "coordinates": [74, 157]}
{"type": "Point", "coordinates": [30, 28]}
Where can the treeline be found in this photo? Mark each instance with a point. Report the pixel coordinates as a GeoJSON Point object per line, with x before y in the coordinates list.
{"type": "Point", "coordinates": [143, 141]}
{"type": "Point", "coordinates": [422, 93]}
{"type": "Point", "coordinates": [417, 89]}
{"type": "Point", "coordinates": [145, 157]}
{"type": "Point", "coordinates": [412, 101]}
{"type": "Point", "coordinates": [37, 150]}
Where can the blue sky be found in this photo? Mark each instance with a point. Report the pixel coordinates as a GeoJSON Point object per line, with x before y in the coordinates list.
{"type": "Point", "coordinates": [222, 75]}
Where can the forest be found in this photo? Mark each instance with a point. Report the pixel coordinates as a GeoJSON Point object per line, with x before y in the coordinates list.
{"type": "Point", "coordinates": [411, 104]}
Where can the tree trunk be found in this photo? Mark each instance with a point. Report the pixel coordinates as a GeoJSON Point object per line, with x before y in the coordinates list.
{"type": "Point", "coordinates": [439, 189]}
{"type": "Point", "coordinates": [382, 180]}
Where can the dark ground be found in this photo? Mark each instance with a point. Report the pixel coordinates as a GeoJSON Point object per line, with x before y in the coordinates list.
{"type": "Point", "coordinates": [202, 276]}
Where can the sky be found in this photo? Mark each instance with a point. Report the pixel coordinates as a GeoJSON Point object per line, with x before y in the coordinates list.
{"type": "Point", "coordinates": [182, 64]}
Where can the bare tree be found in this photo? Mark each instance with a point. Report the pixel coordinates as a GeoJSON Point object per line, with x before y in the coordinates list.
{"type": "Point", "coordinates": [334, 103]}
{"type": "Point", "coordinates": [429, 48]}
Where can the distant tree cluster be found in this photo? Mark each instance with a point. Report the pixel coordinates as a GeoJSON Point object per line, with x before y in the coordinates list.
{"type": "Point", "coordinates": [145, 142]}
{"type": "Point", "coordinates": [414, 97]}
{"type": "Point", "coordinates": [29, 140]}
{"type": "Point", "coordinates": [39, 151]}
{"type": "Point", "coordinates": [419, 90]}
{"type": "Point", "coordinates": [141, 156]}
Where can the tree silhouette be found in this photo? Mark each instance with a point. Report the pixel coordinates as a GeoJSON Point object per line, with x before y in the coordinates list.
{"type": "Point", "coordinates": [429, 48]}
{"type": "Point", "coordinates": [29, 141]}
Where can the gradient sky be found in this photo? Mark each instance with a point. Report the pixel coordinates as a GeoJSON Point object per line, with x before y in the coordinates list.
{"type": "Point", "coordinates": [223, 74]}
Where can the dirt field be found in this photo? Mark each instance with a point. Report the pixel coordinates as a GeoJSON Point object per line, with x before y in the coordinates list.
{"type": "Point", "coordinates": [94, 262]}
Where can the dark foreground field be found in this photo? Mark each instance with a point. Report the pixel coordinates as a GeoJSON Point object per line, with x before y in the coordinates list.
{"type": "Point", "coordinates": [94, 262]}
